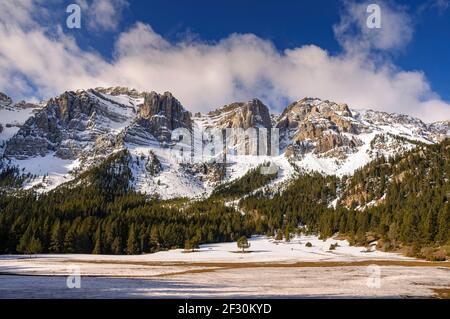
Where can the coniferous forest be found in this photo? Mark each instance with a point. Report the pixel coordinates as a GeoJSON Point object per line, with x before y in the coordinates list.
{"type": "Point", "coordinates": [401, 202]}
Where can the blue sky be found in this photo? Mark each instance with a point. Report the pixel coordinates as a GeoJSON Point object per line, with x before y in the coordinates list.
{"type": "Point", "coordinates": [213, 52]}
{"type": "Point", "coordinates": [289, 24]}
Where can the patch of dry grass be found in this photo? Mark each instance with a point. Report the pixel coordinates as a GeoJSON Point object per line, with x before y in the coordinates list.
{"type": "Point", "coordinates": [442, 293]}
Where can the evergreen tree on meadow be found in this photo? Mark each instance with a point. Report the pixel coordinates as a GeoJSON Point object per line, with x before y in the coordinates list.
{"type": "Point", "coordinates": [243, 243]}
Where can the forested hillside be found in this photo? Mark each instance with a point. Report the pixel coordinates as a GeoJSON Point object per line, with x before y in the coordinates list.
{"type": "Point", "coordinates": [409, 196]}
{"type": "Point", "coordinates": [402, 202]}
{"type": "Point", "coordinates": [251, 181]}
{"type": "Point", "coordinates": [98, 213]}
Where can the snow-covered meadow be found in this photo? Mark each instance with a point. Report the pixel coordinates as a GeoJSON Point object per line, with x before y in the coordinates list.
{"type": "Point", "coordinates": [270, 268]}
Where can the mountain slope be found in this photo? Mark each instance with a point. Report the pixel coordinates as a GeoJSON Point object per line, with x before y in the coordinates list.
{"type": "Point", "coordinates": [12, 117]}
{"type": "Point", "coordinates": [409, 193]}
{"type": "Point", "coordinates": [330, 138]}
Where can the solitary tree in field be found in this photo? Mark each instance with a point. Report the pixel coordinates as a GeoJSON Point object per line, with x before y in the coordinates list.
{"type": "Point", "coordinates": [243, 243]}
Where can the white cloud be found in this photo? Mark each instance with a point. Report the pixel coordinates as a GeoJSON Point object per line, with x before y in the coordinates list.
{"type": "Point", "coordinates": [207, 75]}
{"type": "Point", "coordinates": [354, 36]}
{"type": "Point", "coordinates": [25, 13]}
{"type": "Point", "coordinates": [103, 15]}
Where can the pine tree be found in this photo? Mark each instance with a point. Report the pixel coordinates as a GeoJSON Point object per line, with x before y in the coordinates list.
{"type": "Point", "coordinates": [429, 226]}
{"type": "Point", "coordinates": [243, 243]}
{"type": "Point", "coordinates": [98, 249]}
{"type": "Point", "coordinates": [132, 242]}
{"type": "Point", "coordinates": [443, 233]}
{"type": "Point", "coordinates": [70, 241]}
{"type": "Point", "coordinates": [57, 238]}
{"type": "Point", "coordinates": [35, 246]}
{"type": "Point", "coordinates": [154, 237]}
{"type": "Point", "coordinates": [191, 244]}
{"type": "Point", "coordinates": [25, 241]}
{"type": "Point", "coordinates": [116, 246]}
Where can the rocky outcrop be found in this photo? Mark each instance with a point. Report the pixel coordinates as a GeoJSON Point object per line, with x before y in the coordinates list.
{"type": "Point", "coordinates": [206, 172]}
{"type": "Point", "coordinates": [94, 122]}
{"type": "Point", "coordinates": [67, 125]}
{"type": "Point", "coordinates": [161, 114]}
{"type": "Point", "coordinates": [441, 129]}
{"type": "Point", "coordinates": [242, 115]}
{"type": "Point", "coordinates": [321, 122]}
{"type": "Point", "coordinates": [137, 135]}
{"type": "Point", "coordinates": [5, 100]}
{"type": "Point", "coordinates": [119, 90]}
{"type": "Point", "coordinates": [331, 141]}
{"type": "Point", "coordinates": [52, 126]}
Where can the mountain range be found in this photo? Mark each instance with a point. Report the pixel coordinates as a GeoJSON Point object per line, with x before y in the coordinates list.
{"type": "Point", "coordinates": [53, 142]}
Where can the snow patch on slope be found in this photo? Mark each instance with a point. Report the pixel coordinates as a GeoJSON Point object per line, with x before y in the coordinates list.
{"type": "Point", "coordinates": [51, 171]}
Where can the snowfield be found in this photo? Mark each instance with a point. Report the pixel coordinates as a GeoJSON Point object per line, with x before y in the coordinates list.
{"type": "Point", "coordinates": [265, 249]}
{"type": "Point", "coordinates": [269, 269]}
{"type": "Point", "coordinates": [262, 249]}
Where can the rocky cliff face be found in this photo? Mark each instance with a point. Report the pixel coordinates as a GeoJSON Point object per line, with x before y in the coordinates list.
{"type": "Point", "coordinates": [239, 117]}
{"type": "Point", "coordinates": [161, 114]}
{"type": "Point", "coordinates": [242, 115]}
{"type": "Point", "coordinates": [321, 124]}
{"type": "Point", "coordinates": [76, 123]}
{"type": "Point", "coordinates": [12, 117]}
{"type": "Point", "coordinates": [331, 129]}
{"type": "Point", "coordinates": [62, 126]}
{"type": "Point", "coordinates": [441, 129]}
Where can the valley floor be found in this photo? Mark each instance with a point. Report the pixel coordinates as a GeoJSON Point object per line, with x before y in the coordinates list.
{"type": "Point", "coordinates": [269, 269]}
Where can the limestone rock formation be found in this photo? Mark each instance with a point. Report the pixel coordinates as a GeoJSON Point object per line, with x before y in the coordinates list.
{"type": "Point", "coordinates": [242, 115]}
{"type": "Point", "coordinates": [162, 114]}
{"type": "Point", "coordinates": [321, 122]}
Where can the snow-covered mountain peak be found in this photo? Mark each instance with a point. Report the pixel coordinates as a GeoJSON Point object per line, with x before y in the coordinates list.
{"type": "Point", "coordinates": [331, 138]}
{"type": "Point", "coordinates": [441, 127]}
{"type": "Point", "coordinates": [119, 90]}
{"type": "Point", "coordinates": [385, 118]}
{"type": "Point", "coordinates": [79, 129]}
